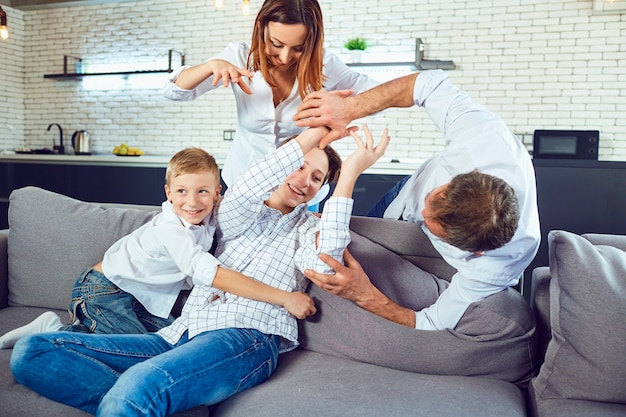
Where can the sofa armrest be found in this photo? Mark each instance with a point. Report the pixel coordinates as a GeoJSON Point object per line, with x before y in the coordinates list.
{"type": "Point", "coordinates": [4, 268]}
{"type": "Point", "coordinates": [540, 303]}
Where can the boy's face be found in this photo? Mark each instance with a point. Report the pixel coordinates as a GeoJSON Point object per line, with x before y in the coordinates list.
{"type": "Point", "coordinates": [193, 195]}
{"type": "Point", "coordinates": [302, 185]}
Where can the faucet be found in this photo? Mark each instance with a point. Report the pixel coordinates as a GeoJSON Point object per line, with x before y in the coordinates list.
{"type": "Point", "coordinates": [60, 148]}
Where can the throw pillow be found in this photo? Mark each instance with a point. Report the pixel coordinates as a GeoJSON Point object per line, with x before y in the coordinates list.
{"type": "Point", "coordinates": [585, 357]}
{"type": "Point", "coordinates": [495, 337]}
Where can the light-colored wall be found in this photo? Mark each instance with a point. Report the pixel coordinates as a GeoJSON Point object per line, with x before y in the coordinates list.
{"type": "Point", "coordinates": [540, 65]}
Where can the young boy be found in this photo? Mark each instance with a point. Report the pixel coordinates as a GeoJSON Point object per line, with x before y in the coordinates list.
{"type": "Point", "coordinates": [135, 287]}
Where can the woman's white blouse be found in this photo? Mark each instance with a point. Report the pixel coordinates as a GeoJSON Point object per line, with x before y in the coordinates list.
{"type": "Point", "coordinates": [260, 125]}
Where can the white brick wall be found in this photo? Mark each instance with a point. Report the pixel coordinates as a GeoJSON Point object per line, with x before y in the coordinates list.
{"type": "Point", "coordinates": [11, 82]}
{"type": "Point", "coordinates": [539, 64]}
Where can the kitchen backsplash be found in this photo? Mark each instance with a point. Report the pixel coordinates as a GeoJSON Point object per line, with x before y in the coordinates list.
{"type": "Point", "coordinates": [540, 65]}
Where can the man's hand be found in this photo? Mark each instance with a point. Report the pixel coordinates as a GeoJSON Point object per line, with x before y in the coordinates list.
{"type": "Point", "coordinates": [349, 281]}
{"type": "Point", "coordinates": [331, 109]}
{"type": "Point", "coordinates": [300, 305]}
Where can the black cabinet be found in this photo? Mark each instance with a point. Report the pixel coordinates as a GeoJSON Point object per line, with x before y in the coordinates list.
{"type": "Point", "coordinates": [99, 183]}
{"type": "Point", "coordinates": [579, 197]}
{"type": "Point", "coordinates": [106, 184]}
{"type": "Point", "coordinates": [132, 184]}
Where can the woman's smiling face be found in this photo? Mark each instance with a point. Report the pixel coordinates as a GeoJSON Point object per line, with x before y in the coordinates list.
{"type": "Point", "coordinates": [284, 44]}
{"type": "Point", "coordinates": [303, 184]}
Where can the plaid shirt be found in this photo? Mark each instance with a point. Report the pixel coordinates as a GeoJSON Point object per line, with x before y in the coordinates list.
{"type": "Point", "coordinates": [262, 243]}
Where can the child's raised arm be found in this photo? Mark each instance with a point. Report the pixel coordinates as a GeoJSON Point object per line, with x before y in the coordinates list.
{"type": "Point", "coordinates": [297, 303]}
{"type": "Point", "coordinates": [362, 158]}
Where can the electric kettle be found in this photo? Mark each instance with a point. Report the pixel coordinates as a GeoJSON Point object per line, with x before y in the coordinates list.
{"type": "Point", "coordinates": [81, 142]}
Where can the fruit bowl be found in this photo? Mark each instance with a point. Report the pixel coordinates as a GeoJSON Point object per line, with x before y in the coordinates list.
{"type": "Point", "coordinates": [124, 150]}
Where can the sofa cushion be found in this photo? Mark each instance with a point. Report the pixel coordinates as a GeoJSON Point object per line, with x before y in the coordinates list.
{"type": "Point", "coordinates": [53, 238]}
{"type": "Point", "coordinates": [310, 384]}
{"type": "Point", "coordinates": [495, 337]}
{"type": "Point", "coordinates": [585, 357]}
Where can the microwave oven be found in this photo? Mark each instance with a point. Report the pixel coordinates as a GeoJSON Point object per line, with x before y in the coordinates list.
{"type": "Point", "coordinates": [566, 144]}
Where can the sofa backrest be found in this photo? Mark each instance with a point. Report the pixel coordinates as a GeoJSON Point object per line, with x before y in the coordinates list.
{"type": "Point", "coordinates": [53, 238]}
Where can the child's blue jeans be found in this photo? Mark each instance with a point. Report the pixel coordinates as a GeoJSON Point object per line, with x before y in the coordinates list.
{"type": "Point", "coordinates": [141, 374]}
{"type": "Point", "coordinates": [101, 307]}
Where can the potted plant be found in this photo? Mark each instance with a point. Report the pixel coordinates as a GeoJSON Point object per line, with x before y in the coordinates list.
{"type": "Point", "coordinates": [356, 46]}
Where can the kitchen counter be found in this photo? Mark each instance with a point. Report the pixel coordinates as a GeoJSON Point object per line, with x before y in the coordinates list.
{"type": "Point", "coordinates": [105, 160]}
{"type": "Point", "coordinates": [385, 167]}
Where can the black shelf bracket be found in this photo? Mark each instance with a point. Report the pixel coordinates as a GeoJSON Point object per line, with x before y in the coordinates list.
{"type": "Point", "coordinates": [426, 64]}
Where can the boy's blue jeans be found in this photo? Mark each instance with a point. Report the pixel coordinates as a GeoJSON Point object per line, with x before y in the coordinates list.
{"type": "Point", "coordinates": [102, 307]}
{"type": "Point", "coordinates": [142, 374]}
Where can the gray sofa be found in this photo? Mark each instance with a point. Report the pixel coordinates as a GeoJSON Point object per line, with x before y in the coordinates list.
{"type": "Point", "coordinates": [350, 362]}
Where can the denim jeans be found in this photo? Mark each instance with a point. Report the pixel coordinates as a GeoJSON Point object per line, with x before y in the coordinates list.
{"type": "Point", "coordinates": [102, 307]}
{"type": "Point", "coordinates": [142, 374]}
{"type": "Point", "coordinates": [378, 210]}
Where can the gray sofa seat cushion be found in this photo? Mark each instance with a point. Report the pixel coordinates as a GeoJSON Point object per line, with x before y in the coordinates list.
{"type": "Point", "coordinates": [585, 356]}
{"type": "Point", "coordinates": [310, 384]}
{"type": "Point", "coordinates": [495, 337]}
{"type": "Point", "coordinates": [53, 238]}
{"type": "Point", "coordinates": [573, 408]}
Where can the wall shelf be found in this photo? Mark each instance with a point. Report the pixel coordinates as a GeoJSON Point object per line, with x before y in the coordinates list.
{"type": "Point", "coordinates": [383, 64]}
{"type": "Point", "coordinates": [74, 75]}
{"type": "Point", "coordinates": [419, 64]}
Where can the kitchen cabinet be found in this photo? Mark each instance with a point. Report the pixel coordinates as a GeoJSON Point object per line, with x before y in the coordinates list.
{"type": "Point", "coordinates": [110, 179]}
{"type": "Point", "coordinates": [100, 183]}
{"type": "Point", "coordinates": [580, 197]}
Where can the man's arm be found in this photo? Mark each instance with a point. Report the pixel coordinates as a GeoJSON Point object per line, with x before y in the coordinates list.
{"type": "Point", "coordinates": [351, 282]}
{"type": "Point", "coordinates": [336, 110]}
{"type": "Point", "coordinates": [297, 303]}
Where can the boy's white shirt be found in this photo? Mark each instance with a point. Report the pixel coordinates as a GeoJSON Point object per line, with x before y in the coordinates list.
{"type": "Point", "coordinates": [162, 257]}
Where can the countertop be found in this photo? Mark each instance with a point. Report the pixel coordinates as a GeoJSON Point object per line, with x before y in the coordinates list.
{"type": "Point", "coordinates": [384, 167]}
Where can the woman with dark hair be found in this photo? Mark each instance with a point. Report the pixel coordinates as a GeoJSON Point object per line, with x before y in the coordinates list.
{"type": "Point", "coordinates": [271, 76]}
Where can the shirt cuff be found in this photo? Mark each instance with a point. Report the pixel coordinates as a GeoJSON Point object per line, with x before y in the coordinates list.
{"type": "Point", "coordinates": [338, 210]}
{"type": "Point", "coordinates": [206, 270]}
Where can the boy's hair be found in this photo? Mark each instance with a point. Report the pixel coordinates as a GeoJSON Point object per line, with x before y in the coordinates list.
{"type": "Point", "coordinates": [289, 12]}
{"type": "Point", "coordinates": [191, 161]}
{"type": "Point", "coordinates": [478, 212]}
{"type": "Point", "coordinates": [334, 161]}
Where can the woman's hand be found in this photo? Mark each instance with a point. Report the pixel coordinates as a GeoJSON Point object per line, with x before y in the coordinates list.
{"type": "Point", "coordinates": [362, 158]}
{"type": "Point", "coordinates": [300, 305]}
{"type": "Point", "coordinates": [366, 154]}
{"type": "Point", "coordinates": [227, 73]}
